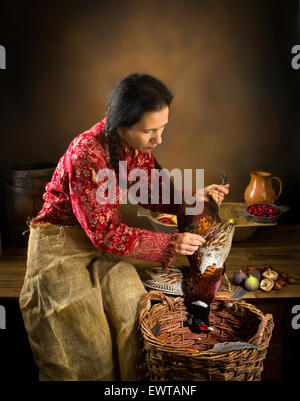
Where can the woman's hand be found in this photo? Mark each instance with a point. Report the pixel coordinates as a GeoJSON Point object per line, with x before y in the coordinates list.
{"type": "Point", "coordinates": [217, 192]}
{"type": "Point", "coordinates": [187, 243]}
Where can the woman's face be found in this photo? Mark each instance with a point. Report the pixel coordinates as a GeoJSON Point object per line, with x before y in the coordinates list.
{"type": "Point", "coordinates": [146, 134]}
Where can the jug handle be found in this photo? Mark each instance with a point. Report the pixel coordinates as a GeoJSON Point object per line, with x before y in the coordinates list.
{"type": "Point", "coordinates": [280, 187]}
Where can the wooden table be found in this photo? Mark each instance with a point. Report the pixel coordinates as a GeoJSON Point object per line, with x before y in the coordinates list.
{"type": "Point", "coordinates": [278, 246]}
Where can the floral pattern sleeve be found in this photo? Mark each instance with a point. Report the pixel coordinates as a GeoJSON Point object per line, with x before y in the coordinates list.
{"type": "Point", "coordinates": [103, 223]}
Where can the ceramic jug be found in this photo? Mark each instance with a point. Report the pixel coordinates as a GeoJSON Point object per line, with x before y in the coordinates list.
{"type": "Point", "coordinates": [260, 189]}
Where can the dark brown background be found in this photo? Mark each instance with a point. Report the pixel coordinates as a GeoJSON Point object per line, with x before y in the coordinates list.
{"type": "Point", "coordinates": [228, 64]}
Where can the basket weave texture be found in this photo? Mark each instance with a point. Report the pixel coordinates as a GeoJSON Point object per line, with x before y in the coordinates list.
{"type": "Point", "coordinates": [173, 352]}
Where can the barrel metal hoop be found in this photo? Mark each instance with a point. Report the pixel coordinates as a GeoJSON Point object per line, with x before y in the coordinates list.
{"type": "Point", "coordinates": [23, 190]}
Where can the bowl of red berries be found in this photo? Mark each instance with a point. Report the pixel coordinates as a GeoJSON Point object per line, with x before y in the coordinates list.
{"type": "Point", "coordinates": [264, 212]}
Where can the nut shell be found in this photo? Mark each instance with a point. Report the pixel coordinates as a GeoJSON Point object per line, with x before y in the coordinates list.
{"type": "Point", "coordinates": [277, 286]}
{"type": "Point", "coordinates": [266, 284]}
{"type": "Point", "coordinates": [271, 274]}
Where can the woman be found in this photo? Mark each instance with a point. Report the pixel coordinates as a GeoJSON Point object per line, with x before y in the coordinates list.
{"type": "Point", "coordinates": [80, 295]}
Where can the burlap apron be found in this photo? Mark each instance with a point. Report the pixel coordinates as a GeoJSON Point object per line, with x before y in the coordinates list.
{"type": "Point", "coordinates": [80, 307]}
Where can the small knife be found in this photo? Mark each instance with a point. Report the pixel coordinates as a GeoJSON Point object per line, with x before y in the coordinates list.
{"type": "Point", "coordinates": [223, 180]}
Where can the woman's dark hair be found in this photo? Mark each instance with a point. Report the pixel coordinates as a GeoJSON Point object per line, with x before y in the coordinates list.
{"type": "Point", "coordinates": [129, 100]}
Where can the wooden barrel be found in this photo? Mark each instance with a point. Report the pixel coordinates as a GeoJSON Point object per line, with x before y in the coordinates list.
{"type": "Point", "coordinates": [25, 186]}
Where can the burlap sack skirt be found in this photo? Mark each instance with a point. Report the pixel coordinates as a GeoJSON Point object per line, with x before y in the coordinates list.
{"type": "Point", "coordinates": [80, 307]}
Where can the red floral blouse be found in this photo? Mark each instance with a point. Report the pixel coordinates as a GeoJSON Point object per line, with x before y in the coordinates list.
{"type": "Point", "coordinates": [70, 199]}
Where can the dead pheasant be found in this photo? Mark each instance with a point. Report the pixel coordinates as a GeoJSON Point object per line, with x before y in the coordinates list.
{"type": "Point", "coordinates": [202, 279]}
{"type": "Point", "coordinates": [200, 282]}
{"type": "Point", "coordinates": [207, 264]}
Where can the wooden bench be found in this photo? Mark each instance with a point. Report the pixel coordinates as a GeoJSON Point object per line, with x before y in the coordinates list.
{"type": "Point", "coordinates": [278, 246]}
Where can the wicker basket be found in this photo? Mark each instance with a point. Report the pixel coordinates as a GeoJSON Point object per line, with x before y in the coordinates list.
{"type": "Point", "coordinates": [175, 353]}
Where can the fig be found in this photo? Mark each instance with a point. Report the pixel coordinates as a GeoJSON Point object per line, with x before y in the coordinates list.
{"type": "Point", "coordinates": [251, 283]}
{"type": "Point", "coordinates": [239, 277]}
{"type": "Point", "coordinates": [266, 284]}
{"type": "Point", "coordinates": [256, 274]}
{"type": "Point", "coordinates": [165, 220]}
{"type": "Point", "coordinates": [250, 270]}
